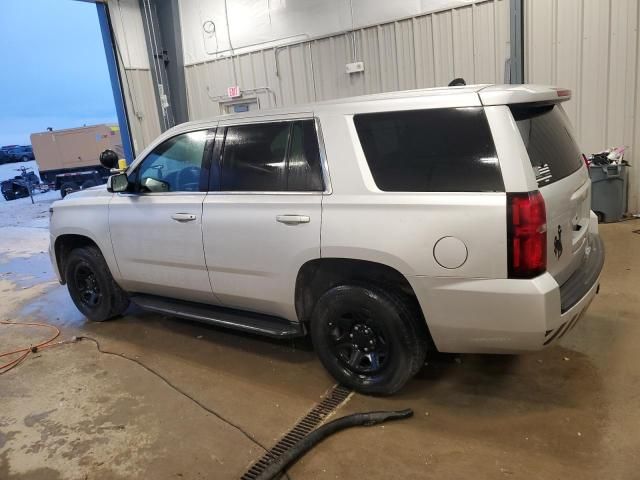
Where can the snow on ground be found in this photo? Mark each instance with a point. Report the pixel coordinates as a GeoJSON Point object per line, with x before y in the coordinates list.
{"type": "Point", "coordinates": [24, 227]}
{"type": "Point", "coordinates": [22, 213]}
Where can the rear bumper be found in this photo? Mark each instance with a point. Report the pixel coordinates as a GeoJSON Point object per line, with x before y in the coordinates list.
{"type": "Point", "coordinates": [507, 315]}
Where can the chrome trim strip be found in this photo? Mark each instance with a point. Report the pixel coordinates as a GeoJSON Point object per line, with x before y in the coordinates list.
{"type": "Point", "coordinates": [157, 194]}
{"type": "Point", "coordinates": [319, 192]}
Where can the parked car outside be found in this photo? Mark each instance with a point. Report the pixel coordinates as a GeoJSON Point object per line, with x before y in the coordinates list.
{"type": "Point", "coordinates": [385, 226]}
{"type": "Point", "coordinates": [4, 157]}
{"type": "Point", "coordinates": [22, 153]}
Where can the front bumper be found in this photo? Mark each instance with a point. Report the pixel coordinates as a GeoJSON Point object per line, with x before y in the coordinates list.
{"type": "Point", "coordinates": [507, 315]}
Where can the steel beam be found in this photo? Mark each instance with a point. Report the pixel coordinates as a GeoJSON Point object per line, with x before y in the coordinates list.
{"type": "Point", "coordinates": [116, 80]}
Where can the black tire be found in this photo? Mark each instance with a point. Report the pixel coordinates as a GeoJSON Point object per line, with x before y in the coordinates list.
{"type": "Point", "coordinates": [88, 184]}
{"type": "Point", "coordinates": [91, 286]}
{"type": "Point", "coordinates": [67, 188]}
{"type": "Point", "coordinates": [383, 327]}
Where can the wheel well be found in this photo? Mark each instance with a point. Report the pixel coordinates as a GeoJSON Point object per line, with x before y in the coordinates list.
{"type": "Point", "coordinates": [65, 244]}
{"type": "Point", "coordinates": [317, 276]}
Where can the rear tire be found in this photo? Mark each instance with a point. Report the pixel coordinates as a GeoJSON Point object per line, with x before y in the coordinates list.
{"type": "Point", "coordinates": [369, 339]}
{"type": "Point", "coordinates": [91, 286]}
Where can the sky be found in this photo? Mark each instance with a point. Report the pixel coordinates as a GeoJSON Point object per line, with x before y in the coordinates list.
{"type": "Point", "coordinates": [54, 71]}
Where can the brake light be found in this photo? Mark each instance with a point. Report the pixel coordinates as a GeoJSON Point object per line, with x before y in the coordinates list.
{"type": "Point", "coordinates": [586, 160]}
{"type": "Point", "coordinates": [526, 234]}
{"type": "Point", "coordinates": [563, 92]}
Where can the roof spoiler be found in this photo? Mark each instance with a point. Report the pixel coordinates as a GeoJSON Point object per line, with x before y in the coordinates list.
{"type": "Point", "coordinates": [508, 94]}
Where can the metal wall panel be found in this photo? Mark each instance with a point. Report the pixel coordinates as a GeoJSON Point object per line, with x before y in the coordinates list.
{"type": "Point", "coordinates": [428, 50]}
{"type": "Point", "coordinates": [141, 104]}
{"type": "Point", "coordinates": [208, 32]}
{"type": "Point", "coordinates": [591, 47]}
{"type": "Point", "coordinates": [137, 82]}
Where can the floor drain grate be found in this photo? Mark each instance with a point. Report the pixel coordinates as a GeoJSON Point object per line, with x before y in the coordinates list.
{"type": "Point", "coordinates": [309, 422]}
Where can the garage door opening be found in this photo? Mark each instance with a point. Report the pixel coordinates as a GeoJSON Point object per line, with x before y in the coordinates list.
{"type": "Point", "coordinates": [58, 111]}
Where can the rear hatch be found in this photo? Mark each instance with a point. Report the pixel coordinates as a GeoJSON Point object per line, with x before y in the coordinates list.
{"type": "Point", "coordinates": [563, 181]}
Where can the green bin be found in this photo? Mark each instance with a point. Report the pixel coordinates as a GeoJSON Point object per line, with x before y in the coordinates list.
{"type": "Point", "coordinates": [609, 191]}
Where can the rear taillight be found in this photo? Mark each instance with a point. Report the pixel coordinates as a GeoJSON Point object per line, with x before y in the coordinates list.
{"type": "Point", "coordinates": [586, 160]}
{"type": "Point", "coordinates": [526, 234]}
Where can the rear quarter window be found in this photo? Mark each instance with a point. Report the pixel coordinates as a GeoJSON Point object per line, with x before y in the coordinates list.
{"type": "Point", "coordinates": [435, 150]}
{"type": "Point", "coordinates": [553, 152]}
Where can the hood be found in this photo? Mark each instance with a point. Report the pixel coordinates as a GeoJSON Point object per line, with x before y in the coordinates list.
{"type": "Point", "coordinates": [97, 191]}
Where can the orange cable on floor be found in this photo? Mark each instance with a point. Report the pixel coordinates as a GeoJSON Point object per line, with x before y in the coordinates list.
{"type": "Point", "coordinates": [26, 350]}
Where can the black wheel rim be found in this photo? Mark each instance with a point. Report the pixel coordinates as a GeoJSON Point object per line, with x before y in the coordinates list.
{"type": "Point", "coordinates": [358, 341]}
{"type": "Point", "coordinates": [87, 286]}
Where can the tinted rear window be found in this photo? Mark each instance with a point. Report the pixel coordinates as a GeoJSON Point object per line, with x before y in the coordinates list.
{"type": "Point", "coordinates": [435, 150]}
{"type": "Point", "coordinates": [552, 150]}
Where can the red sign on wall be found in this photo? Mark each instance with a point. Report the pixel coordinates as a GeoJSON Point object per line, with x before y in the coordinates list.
{"type": "Point", "coordinates": [233, 92]}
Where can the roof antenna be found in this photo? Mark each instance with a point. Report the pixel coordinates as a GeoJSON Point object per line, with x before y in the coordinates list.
{"type": "Point", "coordinates": [457, 82]}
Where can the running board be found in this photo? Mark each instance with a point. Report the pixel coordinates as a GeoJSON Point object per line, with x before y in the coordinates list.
{"type": "Point", "coordinates": [266, 325]}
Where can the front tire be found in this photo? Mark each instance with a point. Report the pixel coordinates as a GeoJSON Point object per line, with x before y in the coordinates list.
{"type": "Point", "coordinates": [91, 286]}
{"type": "Point", "coordinates": [369, 339]}
{"type": "Point", "coordinates": [67, 188]}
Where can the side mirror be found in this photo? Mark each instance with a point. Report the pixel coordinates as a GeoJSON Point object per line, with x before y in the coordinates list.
{"type": "Point", "coordinates": [118, 183]}
{"type": "Point", "coordinates": [109, 159]}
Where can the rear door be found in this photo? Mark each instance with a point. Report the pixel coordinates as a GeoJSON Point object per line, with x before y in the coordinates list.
{"type": "Point", "coordinates": [261, 218]}
{"type": "Point", "coordinates": [563, 181]}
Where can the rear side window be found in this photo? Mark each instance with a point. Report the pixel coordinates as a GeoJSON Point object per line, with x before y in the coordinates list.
{"type": "Point", "coordinates": [435, 150]}
{"type": "Point", "coordinates": [254, 157]}
{"type": "Point", "coordinates": [303, 161]}
{"type": "Point", "coordinates": [271, 157]}
{"type": "Point", "coordinates": [552, 150]}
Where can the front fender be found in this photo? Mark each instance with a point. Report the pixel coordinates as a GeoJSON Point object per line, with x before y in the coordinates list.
{"type": "Point", "coordinates": [84, 216]}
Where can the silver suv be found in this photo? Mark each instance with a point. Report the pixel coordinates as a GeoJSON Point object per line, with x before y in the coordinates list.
{"type": "Point", "coordinates": [387, 225]}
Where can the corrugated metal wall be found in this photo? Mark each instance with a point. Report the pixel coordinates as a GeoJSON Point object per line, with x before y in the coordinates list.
{"type": "Point", "coordinates": [139, 91]}
{"type": "Point", "coordinates": [141, 100]}
{"type": "Point", "coordinates": [423, 51]}
{"type": "Point", "coordinates": [591, 46]}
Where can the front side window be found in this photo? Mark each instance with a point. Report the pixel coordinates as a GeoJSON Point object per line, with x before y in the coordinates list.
{"type": "Point", "coordinates": [434, 150]}
{"type": "Point", "coordinates": [174, 165]}
{"type": "Point", "coordinates": [271, 157]}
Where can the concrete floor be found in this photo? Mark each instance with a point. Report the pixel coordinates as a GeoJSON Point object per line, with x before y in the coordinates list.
{"type": "Point", "coordinates": [72, 413]}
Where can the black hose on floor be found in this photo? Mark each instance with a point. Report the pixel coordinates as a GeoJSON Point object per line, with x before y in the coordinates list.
{"type": "Point", "coordinates": [315, 437]}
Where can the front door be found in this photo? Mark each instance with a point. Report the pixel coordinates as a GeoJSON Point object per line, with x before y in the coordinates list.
{"type": "Point", "coordinates": [261, 218]}
{"type": "Point", "coordinates": [156, 229]}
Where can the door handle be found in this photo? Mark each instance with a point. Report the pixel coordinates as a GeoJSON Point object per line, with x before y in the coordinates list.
{"type": "Point", "coordinates": [183, 217]}
{"type": "Point", "coordinates": [292, 219]}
